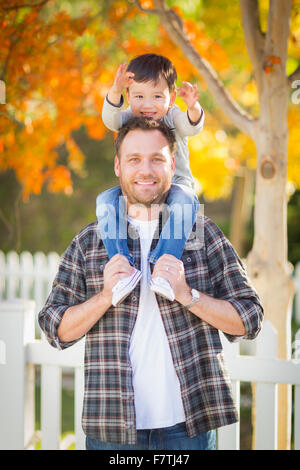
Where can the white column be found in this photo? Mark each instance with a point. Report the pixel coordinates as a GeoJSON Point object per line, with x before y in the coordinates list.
{"type": "Point", "coordinates": [16, 377]}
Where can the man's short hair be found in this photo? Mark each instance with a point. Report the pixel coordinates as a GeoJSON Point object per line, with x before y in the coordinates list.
{"type": "Point", "coordinates": [152, 67]}
{"type": "Point", "coordinates": [145, 124]}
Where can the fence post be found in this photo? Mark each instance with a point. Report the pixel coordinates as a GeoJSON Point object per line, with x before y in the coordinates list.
{"type": "Point", "coordinates": [16, 378]}
{"type": "Point", "coordinates": [266, 394]}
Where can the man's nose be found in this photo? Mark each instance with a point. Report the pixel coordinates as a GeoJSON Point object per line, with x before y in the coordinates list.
{"type": "Point", "coordinates": [146, 167]}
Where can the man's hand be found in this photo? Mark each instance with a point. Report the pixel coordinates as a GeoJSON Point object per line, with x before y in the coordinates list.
{"type": "Point", "coordinates": [190, 96]}
{"type": "Point", "coordinates": [172, 269]}
{"type": "Point", "coordinates": [123, 79]}
{"type": "Point", "coordinates": [117, 268]}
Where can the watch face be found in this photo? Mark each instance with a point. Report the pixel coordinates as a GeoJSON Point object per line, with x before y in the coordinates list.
{"type": "Point", "coordinates": [195, 294]}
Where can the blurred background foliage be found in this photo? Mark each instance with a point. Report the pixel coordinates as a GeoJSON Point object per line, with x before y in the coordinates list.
{"type": "Point", "coordinates": [58, 62]}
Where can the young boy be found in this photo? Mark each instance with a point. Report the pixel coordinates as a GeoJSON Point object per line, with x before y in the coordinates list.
{"type": "Point", "coordinates": [149, 82]}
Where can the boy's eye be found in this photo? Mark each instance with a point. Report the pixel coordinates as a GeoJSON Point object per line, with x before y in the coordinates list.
{"type": "Point", "coordinates": [158, 96]}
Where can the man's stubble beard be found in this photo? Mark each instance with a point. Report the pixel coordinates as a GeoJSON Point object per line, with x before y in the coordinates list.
{"type": "Point", "coordinates": [158, 198]}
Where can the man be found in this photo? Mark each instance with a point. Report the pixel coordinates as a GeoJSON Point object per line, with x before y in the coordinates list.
{"type": "Point", "coordinates": [154, 371]}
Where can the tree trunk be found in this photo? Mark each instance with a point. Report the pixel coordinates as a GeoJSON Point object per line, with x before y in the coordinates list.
{"type": "Point", "coordinates": [241, 209]}
{"type": "Point", "coordinates": [267, 262]}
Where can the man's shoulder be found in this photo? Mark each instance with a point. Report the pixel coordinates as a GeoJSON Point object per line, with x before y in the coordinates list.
{"type": "Point", "coordinates": [88, 237]}
{"type": "Point", "coordinates": [205, 233]}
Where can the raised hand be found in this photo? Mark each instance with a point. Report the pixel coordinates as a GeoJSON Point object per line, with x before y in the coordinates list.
{"type": "Point", "coordinates": [189, 94]}
{"type": "Point", "coordinates": [123, 78]}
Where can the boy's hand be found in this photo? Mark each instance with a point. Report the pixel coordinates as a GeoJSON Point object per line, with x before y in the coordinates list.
{"type": "Point", "coordinates": [190, 96]}
{"type": "Point", "coordinates": [123, 79]}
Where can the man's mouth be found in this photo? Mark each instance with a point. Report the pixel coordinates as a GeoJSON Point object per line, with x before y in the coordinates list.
{"type": "Point", "coordinates": [146, 183]}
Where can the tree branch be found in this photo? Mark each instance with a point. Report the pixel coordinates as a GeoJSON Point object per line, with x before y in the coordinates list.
{"type": "Point", "coordinates": [157, 11]}
{"type": "Point", "coordinates": [254, 38]}
{"type": "Point", "coordinates": [231, 108]}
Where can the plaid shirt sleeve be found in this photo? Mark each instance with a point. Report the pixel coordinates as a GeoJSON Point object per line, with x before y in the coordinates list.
{"type": "Point", "coordinates": [230, 282]}
{"type": "Point", "coordinates": [68, 289]}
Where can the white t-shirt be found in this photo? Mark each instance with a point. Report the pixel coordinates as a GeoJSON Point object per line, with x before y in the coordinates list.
{"type": "Point", "coordinates": [157, 395]}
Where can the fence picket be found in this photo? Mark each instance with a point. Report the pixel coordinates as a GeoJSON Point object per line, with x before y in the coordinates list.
{"type": "Point", "coordinates": [26, 274]}
{"type": "Point", "coordinates": [13, 275]}
{"type": "Point", "coordinates": [79, 392]}
{"type": "Point", "coordinates": [40, 269]}
{"type": "Point", "coordinates": [266, 394]}
{"type": "Point", "coordinates": [50, 406]}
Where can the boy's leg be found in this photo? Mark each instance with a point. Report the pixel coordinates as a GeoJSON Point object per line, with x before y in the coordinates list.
{"type": "Point", "coordinates": [112, 226]}
{"type": "Point", "coordinates": [183, 206]}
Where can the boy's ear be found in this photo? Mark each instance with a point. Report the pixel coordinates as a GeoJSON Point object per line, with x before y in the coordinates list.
{"type": "Point", "coordinates": [127, 95]}
{"type": "Point", "coordinates": [172, 97]}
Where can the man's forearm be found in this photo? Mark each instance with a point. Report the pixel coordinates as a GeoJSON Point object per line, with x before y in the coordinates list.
{"type": "Point", "coordinates": [218, 313]}
{"type": "Point", "coordinates": [79, 319]}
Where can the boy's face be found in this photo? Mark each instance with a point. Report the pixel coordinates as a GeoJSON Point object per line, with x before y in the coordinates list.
{"type": "Point", "coordinates": [149, 99]}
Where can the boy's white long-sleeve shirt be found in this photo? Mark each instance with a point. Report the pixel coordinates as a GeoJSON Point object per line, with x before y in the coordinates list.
{"type": "Point", "coordinates": [114, 117]}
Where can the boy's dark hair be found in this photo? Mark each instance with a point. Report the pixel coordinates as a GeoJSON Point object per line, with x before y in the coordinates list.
{"type": "Point", "coordinates": [145, 124]}
{"type": "Point", "coordinates": [152, 67]}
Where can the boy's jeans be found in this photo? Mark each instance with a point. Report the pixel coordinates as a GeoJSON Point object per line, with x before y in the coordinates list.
{"type": "Point", "coordinates": [182, 205]}
{"type": "Point", "coordinates": [171, 438]}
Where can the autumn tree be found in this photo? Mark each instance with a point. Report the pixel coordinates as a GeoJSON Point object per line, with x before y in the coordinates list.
{"type": "Point", "coordinates": [58, 59]}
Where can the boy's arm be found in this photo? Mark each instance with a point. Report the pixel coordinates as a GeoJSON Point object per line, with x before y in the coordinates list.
{"type": "Point", "coordinates": [112, 115]}
{"type": "Point", "coordinates": [183, 124]}
{"type": "Point", "coordinates": [122, 80]}
{"type": "Point", "coordinates": [190, 96]}
{"type": "Point", "coordinates": [191, 122]}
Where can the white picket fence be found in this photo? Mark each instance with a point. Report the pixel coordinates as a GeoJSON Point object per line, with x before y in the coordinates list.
{"type": "Point", "coordinates": [28, 277]}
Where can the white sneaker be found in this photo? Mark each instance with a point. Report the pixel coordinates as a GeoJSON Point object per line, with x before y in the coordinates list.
{"type": "Point", "coordinates": [161, 286]}
{"type": "Point", "coordinates": [123, 287]}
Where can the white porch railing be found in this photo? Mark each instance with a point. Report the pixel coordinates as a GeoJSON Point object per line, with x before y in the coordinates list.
{"type": "Point", "coordinates": [20, 352]}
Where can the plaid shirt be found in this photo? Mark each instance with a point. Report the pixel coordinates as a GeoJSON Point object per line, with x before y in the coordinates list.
{"type": "Point", "coordinates": [212, 267]}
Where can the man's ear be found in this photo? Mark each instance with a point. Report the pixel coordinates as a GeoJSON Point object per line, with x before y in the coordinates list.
{"type": "Point", "coordinates": [117, 166]}
{"type": "Point", "coordinates": [173, 163]}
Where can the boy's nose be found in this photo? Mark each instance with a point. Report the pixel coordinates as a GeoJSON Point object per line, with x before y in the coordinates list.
{"type": "Point", "coordinates": [147, 104]}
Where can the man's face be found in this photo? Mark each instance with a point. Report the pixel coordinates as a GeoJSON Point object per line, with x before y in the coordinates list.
{"type": "Point", "coordinates": [149, 99]}
{"type": "Point", "coordinates": [145, 167]}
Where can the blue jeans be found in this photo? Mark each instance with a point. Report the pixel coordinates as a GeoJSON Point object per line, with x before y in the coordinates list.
{"type": "Point", "coordinates": [182, 206]}
{"type": "Point", "coordinates": [171, 438]}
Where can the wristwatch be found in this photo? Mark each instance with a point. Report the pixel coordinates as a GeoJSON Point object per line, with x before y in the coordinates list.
{"type": "Point", "coordinates": [195, 298]}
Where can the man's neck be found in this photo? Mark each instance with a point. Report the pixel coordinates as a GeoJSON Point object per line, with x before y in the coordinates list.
{"type": "Point", "coordinates": [144, 213]}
